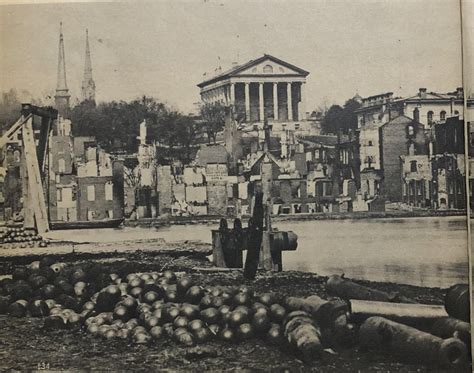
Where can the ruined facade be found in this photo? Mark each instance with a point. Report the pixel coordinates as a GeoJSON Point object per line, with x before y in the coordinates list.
{"type": "Point", "coordinates": [84, 184]}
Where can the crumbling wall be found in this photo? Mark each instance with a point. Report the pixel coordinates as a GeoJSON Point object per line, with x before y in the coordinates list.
{"type": "Point", "coordinates": [217, 198]}
{"type": "Point", "coordinates": [165, 189]}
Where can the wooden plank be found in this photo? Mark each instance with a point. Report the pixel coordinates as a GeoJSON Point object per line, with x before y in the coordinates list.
{"type": "Point", "coordinates": [12, 130]}
{"type": "Point", "coordinates": [266, 261]}
{"type": "Point", "coordinates": [28, 213]}
{"type": "Point", "coordinates": [36, 198]}
{"type": "Point", "coordinates": [217, 249]}
{"type": "Point", "coordinates": [255, 238]}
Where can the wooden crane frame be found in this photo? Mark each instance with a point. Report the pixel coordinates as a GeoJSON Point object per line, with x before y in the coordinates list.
{"type": "Point", "coordinates": [33, 161]}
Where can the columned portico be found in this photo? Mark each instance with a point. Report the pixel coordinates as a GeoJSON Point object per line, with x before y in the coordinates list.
{"type": "Point", "coordinates": [263, 88]}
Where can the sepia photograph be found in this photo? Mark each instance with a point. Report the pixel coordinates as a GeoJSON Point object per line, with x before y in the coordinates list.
{"type": "Point", "coordinates": [217, 185]}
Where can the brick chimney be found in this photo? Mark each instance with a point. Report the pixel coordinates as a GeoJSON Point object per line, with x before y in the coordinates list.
{"type": "Point", "coordinates": [422, 92]}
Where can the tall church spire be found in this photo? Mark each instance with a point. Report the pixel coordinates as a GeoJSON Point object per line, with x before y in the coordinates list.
{"type": "Point", "coordinates": [61, 98]}
{"type": "Point", "coordinates": [88, 85]}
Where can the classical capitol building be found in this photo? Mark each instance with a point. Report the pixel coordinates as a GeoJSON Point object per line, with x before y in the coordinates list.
{"type": "Point", "coordinates": [266, 87]}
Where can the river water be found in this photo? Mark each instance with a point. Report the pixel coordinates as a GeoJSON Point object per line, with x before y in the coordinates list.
{"type": "Point", "coordinates": [428, 252]}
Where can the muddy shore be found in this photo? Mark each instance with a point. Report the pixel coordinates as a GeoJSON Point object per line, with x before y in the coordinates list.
{"type": "Point", "coordinates": [24, 344]}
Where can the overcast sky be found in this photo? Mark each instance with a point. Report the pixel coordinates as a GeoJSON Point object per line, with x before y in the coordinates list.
{"type": "Point", "coordinates": [162, 48]}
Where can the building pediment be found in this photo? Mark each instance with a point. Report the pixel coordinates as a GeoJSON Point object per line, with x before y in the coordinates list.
{"type": "Point", "coordinates": [269, 66]}
{"type": "Point", "coordinates": [266, 65]}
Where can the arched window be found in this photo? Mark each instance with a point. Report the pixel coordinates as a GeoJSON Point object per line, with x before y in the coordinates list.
{"type": "Point", "coordinates": [416, 114]}
{"type": "Point", "coordinates": [442, 116]}
{"type": "Point", "coordinates": [268, 69]}
{"type": "Point", "coordinates": [430, 117]}
{"type": "Point", "coordinates": [411, 131]}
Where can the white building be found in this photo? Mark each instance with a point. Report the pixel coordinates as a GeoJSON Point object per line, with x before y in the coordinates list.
{"type": "Point", "coordinates": [266, 87]}
{"type": "Point", "coordinates": [425, 107]}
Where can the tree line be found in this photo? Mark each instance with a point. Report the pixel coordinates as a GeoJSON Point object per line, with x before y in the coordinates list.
{"type": "Point", "coordinates": [115, 125]}
{"type": "Point", "coordinates": [340, 118]}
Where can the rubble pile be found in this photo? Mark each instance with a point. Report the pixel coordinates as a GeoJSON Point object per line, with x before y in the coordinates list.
{"type": "Point", "coordinates": [12, 236]}
{"type": "Point", "coordinates": [145, 308]}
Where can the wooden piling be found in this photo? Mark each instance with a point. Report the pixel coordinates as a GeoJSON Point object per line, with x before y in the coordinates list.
{"type": "Point", "coordinates": [266, 261]}
{"type": "Point", "coordinates": [217, 249]}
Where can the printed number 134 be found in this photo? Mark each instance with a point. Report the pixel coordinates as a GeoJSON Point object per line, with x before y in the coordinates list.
{"type": "Point", "coordinates": [43, 366]}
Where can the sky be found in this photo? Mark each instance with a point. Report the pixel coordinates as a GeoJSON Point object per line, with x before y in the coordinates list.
{"type": "Point", "coordinates": [162, 48]}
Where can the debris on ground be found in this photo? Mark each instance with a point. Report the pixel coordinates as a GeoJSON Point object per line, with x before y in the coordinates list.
{"type": "Point", "coordinates": [156, 312]}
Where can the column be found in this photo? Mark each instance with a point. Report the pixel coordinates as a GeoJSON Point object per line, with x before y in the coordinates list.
{"type": "Point", "coordinates": [275, 101]}
{"type": "Point", "coordinates": [232, 94]}
{"type": "Point", "coordinates": [247, 102]}
{"type": "Point", "coordinates": [261, 102]}
{"type": "Point", "coordinates": [301, 105]}
{"type": "Point", "coordinates": [289, 101]}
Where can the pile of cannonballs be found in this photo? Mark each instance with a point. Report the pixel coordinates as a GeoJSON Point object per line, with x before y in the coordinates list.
{"type": "Point", "coordinates": [150, 306]}
{"type": "Point", "coordinates": [140, 307]}
{"type": "Point", "coordinates": [19, 237]}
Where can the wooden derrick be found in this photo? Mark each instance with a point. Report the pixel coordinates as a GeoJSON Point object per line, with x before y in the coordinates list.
{"type": "Point", "coordinates": [33, 161]}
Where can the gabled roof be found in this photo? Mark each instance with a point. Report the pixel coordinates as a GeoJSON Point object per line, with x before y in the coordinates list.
{"type": "Point", "coordinates": [270, 156]}
{"type": "Point", "coordinates": [432, 96]}
{"type": "Point", "coordinates": [239, 68]}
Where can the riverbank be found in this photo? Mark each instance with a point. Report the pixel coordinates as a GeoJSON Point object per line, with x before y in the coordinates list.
{"type": "Point", "coordinates": [63, 250]}
{"type": "Point", "coordinates": [214, 219]}
{"type": "Point", "coordinates": [386, 250]}
{"type": "Point", "coordinates": [26, 345]}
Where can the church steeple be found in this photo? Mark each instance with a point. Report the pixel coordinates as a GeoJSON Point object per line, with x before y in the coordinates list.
{"type": "Point", "coordinates": [62, 96]}
{"type": "Point", "coordinates": [88, 85]}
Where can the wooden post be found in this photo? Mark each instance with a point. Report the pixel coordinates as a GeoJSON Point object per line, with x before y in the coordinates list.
{"type": "Point", "coordinates": [276, 255]}
{"type": "Point", "coordinates": [235, 245]}
{"type": "Point", "coordinates": [266, 261]}
{"type": "Point", "coordinates": [36, 199]}
{"type": "Point", "coordinates": [254, 238]}
{"type": "Point", "coordinates": [217, 251]}
{"type": "Point", "coordinates": [28, 214]}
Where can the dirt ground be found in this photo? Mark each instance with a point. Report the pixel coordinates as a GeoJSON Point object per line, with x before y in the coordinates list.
{"type": "Point", "coordinates": [25, 345]}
